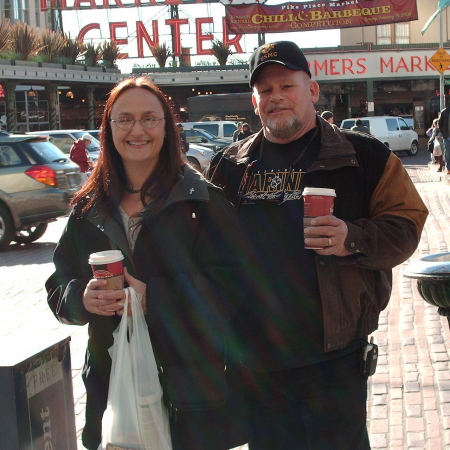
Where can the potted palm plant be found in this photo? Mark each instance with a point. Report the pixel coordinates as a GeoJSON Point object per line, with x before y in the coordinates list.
{"type": "Point", "coordinates": [26, 43]}
{"type": "Point", "coordinates": [70, 52]}
{"type": "Point", "coordinates": [110, 54]}
{"type": "Point", "coordinates": [220, 51]}
{"type": "Point", "coordinates": [53, 43]}
{"type": "Point", "coordinates": [92, 56]}
{"type": "Point", "coordinates": [5, 42]}
{"type": "Point", "coordinates": [161, 53]}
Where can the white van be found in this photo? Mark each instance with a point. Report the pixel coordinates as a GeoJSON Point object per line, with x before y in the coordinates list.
{"type": "Point", "coordinates": [222, 129]}
{"type": "Point", "coordinates": [392, 131]}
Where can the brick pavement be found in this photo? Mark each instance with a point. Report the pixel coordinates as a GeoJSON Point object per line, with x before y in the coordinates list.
{"type": "Point", "coordinates": [409, 396]}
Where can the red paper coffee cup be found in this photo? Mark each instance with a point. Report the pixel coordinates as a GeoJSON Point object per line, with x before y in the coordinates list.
{"type": "Point", "coordinates": [316, 202]}
{"type": "Point", "coordinates": [108, 265]}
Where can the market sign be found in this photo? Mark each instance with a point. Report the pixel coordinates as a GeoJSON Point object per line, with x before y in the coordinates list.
{"type": "Point", "coordinates": [317, 15]}
{"type": "Point", "coordinates": [440, 60]}
{"type": "Point", "coordinates": [67, 5]}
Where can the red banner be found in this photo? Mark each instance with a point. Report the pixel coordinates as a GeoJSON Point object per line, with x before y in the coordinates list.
{"type": "Point", "coordinates": [317, 15]}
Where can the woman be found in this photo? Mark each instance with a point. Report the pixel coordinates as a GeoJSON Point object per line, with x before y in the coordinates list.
{"type": "Point", "coordinates": [180, 238]}
{"type": "Point", "coordinates": [437, 144]}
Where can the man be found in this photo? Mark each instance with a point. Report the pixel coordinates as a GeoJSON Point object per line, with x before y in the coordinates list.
{"type": "Point", "coordinates": [79, 154]}
{"type": "Point", "coordinates": [444, 127]}
{"type": "Point", "coordinates": [310, 312]}
{"type": "Point", "coordinates": [360, 127]}
{"type": "Point", "coordinates": [245, 133]}
{"type": "Point", "coordinates": [237, 131]}
{"type": "Point", "coordinates": [184, 142]}
{"type": "Point", "coordinates": [328, 116]}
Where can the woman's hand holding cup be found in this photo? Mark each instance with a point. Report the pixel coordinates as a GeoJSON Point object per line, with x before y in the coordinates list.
{"type": "Point", "coordinates": [115, 299]}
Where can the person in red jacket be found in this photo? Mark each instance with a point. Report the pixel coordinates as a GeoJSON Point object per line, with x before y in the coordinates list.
{"type": "Point", "coordinates": [79, 155]}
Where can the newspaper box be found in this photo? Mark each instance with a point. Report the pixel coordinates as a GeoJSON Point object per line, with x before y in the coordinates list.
{"type": "Point", "coordinates": [36, 407]}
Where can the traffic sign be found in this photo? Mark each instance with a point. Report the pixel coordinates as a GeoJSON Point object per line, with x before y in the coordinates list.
{"type": "Point", "coordinates": [440, 60]}
{"type": "Point", "coordinates": [446, 82]}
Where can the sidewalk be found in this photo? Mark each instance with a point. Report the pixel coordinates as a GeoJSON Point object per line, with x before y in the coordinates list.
{"type": "Point", "coordinates": [409, 396]}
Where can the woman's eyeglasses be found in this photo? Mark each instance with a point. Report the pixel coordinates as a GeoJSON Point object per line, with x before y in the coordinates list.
{"type": "Point", "coordinates": [148, 122]}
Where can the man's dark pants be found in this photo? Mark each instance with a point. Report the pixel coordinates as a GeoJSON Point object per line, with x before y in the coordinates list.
{"type": "Point", "coordinates": [317, 407]}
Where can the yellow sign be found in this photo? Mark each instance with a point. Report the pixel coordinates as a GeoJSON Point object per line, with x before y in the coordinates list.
{"type": "Point", "coordinates": [440, 60]}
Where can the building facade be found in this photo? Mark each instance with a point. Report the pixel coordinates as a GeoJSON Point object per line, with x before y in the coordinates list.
{"type": "Point", "coordinates": [376, 70]}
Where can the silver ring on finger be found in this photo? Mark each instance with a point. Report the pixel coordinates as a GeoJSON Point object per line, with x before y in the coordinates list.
{"type": "Point", "coordinates": [330, 242]}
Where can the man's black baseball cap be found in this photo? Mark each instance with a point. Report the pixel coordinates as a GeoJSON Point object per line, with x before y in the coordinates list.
{"type": "Point", "coordinates": [286, 53]}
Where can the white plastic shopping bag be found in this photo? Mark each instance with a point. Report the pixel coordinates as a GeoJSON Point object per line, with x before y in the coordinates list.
{"type": "Point", "coordinates": [135, 417]}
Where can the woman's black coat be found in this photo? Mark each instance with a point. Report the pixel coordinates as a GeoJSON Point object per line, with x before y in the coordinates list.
{"type": "Point", "coordinates": [188, 254]}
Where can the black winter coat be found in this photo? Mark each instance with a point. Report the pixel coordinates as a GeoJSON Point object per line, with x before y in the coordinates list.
{"type": "Point", "coordinates": [188, 255]}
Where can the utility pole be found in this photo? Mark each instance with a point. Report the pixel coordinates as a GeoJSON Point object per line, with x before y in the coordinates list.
{"type": "Point", "coordinates": [173, 15]}
{"type": "Point", "coordinates": [56, 18]}
{"type": "Point", "coordinates": [441, 77]}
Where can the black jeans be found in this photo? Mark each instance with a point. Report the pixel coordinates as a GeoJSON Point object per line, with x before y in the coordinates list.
{"type": "Point", "coordinates": [317, 407]}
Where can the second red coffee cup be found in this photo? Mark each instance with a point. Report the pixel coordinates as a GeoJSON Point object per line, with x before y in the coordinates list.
{"type": "Point", "coordinates": [316, 202]}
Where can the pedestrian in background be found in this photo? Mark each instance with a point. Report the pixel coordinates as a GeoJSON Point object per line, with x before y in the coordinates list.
{"type": "Point", "coordinates": [328, 116]}
{"type": "Point", "coordinates": [444, 127]}
{"type": "Point", "coordinates": [438, 144]}
{"type": "Point", "coordinates": [184, 142]}
{"type": "Point", "coordinates": [237, 131]}
{"type": "Point", "coordinates": [179, 236]}
{"type": "Point", "coordinates": [79, 154]}
{"type": "Point", "coordinates": [308, 317]}
{"type": "Point", "coordinates": [245, 133]}
{"type": "Point", "coordinates": [360, 127]}
{"type": "Point", "coordinates": [430, 144]}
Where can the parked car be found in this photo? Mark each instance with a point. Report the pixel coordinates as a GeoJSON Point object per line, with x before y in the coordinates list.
{"type": "Point", "coordinates": [222, 129]}
{"type": "Point", "coordinates": [37, 181]}
{"type": "Point", "coordinates": [94, 133]}
{"type": "Point", "coordinates": [199, 157]}
{"type": "Point", "coordinates": [64, 139]}
{"type": "Point", "coordinates": [393, 131]}
{"type": "Point", "coordinates": [205, 139]}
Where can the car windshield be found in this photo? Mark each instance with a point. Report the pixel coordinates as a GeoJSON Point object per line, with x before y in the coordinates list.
{"type": "Point", "coordinates": [207, 134]}
{"type": "Point", "coordinates": [45, 152]}
{"type": "Point", "coordinates": [347, 124]}
{"type": "Point", "coordinates": [94, 146]}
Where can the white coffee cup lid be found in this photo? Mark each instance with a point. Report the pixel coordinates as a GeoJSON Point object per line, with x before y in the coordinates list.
{"type": "Point", "coordinates": [106, 257]}
{"type": "Point", "coordinates": [319, 191]}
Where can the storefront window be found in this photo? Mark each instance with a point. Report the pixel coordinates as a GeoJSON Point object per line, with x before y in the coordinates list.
{"type": "Point", "coordinates": [384, 34]}
{"type": "Point", "coordinates": [31, 112]}
{"type": "Point", "coordinates": [396, 33]}
{"type": "Point", "coordinates": [401, 33]}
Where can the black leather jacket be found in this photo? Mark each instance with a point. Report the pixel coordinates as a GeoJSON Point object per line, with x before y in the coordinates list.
{"type": "Point", "coordinates": [381, 207]}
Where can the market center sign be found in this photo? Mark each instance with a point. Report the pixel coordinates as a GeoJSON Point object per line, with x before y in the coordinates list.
{"type": "Point", "coordinates": [240, 19]}
{"type": "Point", "coordinates": [318, 15]}
{"type": "Point", "coordinates": [68, 5]}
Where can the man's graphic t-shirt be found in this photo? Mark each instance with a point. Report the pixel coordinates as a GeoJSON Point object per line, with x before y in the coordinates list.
{"type": "Point", "coordinates": [288, 318]}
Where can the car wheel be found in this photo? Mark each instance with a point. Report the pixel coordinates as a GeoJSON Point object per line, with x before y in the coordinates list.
{"type": "Point", "coordinates": [6, 228]}
{"type": "Point", "coordinates": [194, 163]}
{"type": "Point", "coordinates": [414, 149]}
{"type": "Point", "coordinates": [31, 234]}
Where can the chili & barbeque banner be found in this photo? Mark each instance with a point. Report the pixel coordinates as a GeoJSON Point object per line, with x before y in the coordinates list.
{"type": "Point", "coordinates": [317, 15]}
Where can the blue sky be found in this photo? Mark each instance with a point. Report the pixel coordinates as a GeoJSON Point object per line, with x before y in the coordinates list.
{"type": "Point", "coordinates": [74, 21]}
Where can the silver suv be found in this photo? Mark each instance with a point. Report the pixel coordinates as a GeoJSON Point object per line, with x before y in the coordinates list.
{"type": "Point", "coordinates": [37, 182]}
